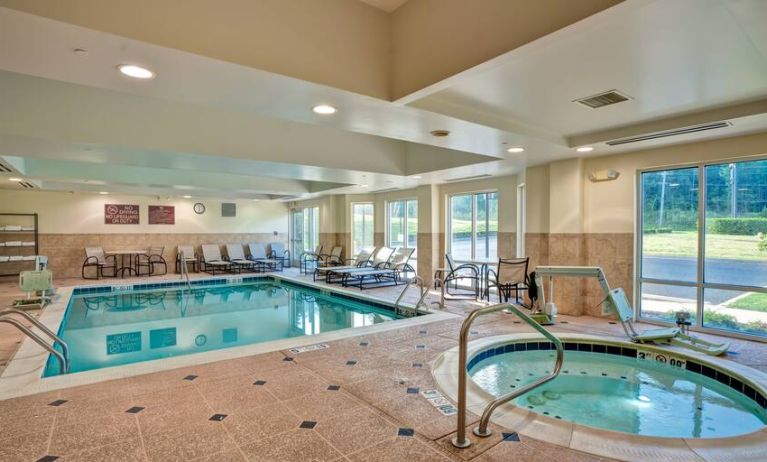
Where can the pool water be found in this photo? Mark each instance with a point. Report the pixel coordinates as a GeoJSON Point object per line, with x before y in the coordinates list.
{"type": "Point", "coordinates": [623, 394]}
{"type": "Point", "coordinates": [117, 328]}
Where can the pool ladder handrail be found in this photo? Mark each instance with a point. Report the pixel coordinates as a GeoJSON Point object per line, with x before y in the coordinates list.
{"type": "Point", "coordinates": [415, 280]}
{"type": "Point", "coordinates": [460, 440]}
{"type": "Point", "coordinates": [184, 270]}
{"type": "Point", "coordinates": [63, 356]}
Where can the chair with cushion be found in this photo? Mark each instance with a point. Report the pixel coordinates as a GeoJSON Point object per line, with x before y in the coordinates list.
{"type": "Point", "coordinates": [456, 274]}
{"type": "Point", "coordinates": [310, 257]}
{"type": "Point", "coordinates": [212, 261]}
{"type": "Point", "coordinates": [278, 252]}
{"type": "Point", "coordinates": [151, 261]}
{"type": "Point", "coordinates": [95, 258]}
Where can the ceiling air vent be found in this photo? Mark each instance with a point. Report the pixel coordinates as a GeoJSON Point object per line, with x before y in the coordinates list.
{"type": "Point", "coordinates": [4, 168]}
{"type": "Point", "coordinates": [603, 99]}
{"type": "Point", "coordinates": [665, 133]}
{"type": "Point", "coordinates": [27, 184]}
{"type": "Point", "coordinates": [466, 178]}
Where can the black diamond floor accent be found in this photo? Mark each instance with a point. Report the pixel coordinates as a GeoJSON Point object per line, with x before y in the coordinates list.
{"type": "Point", "coordinates": [412, 390]}
{"type": "Point", "coordinates": [563, 322]}
{"type": "Point", "coordinates": [417, 365]}
{"type": "Point", "coordinates": [421, 331]}
{"type": "Point", "coordinates": [287, 358]}
{"type": "Point", "coordinates": [405, 432]}
{"type": "Point", "coordinates": [48, 458]}
{"type": "Point", "coordinates": [612, 322]}
{"type": "Point", "coordinates": [190, 377]}
{"type": "Point", "coordinates": [57, 403]}
{"type": "Point", "coordinates": [514, 436]}
{"type": "Point", "coordinates": [364, 344]}
{"type": "Point", "coordinates": [218, 417]}
{"type": "Point", "coordinates": [308, 424]}
{"type": "Point", "coordinates": [259, 382]}
{"type": "Point", "coordinates": [135, 410]}
{"type": "Point", "coordinates": [351, 363]}
{"type": "Point", "coordinates": [334, 387]}
{"type": "Point", "coordinates": [420, 347]}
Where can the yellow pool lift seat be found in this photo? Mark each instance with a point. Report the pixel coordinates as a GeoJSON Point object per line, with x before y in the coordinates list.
{"type": "Point", "coordinates": [617, 299]}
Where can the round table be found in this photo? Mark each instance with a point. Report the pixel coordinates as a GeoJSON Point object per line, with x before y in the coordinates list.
{"type": "Point", "coordinates": [122, 254]}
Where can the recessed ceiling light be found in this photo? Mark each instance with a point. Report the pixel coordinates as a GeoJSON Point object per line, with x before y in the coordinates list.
{"type": "Point", "coordinates": [80, 51]}
{"type": "Point", "coordinates": [137, 72]}
{"type": "Point", "coordinates": [187, 197]}
{"type": "Point", "coordinates": [103, 192]}
{"type": "Point", "coordinates": [363, 185]}
{"type": "Point", "coordinates": [585, 149]}
{"type": "Point", "coordinates": [516, 150]}
{"type": "Point", "coordinates": [324, 109]}
{"type": "Point", "coordinates": [15, 179]}
{"type": "Point", "coordinates": [417, 177]}
{"type": "Point", "coordinates": [440, 133]}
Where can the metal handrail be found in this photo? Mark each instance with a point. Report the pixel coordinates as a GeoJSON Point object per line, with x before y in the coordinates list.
{"type": "Point", "coordinates": [184, 269]}
{"type": "Point", "coordinates": [424, 292]}
{"type": "Point", "coordinates": [63, 362]}
{"type": "Point", "coordinates": [36, 322]}
{"type": "Point", "coordinates": [460, 440]}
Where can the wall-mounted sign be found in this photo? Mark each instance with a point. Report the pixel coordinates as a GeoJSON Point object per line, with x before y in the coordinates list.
{"type": "Point", "coordinates": [229, 335]}
{"type": "Point", "coordinates": [121, 214]}
{"type": "Point", "coordinates": [123, 343]}
{"type": "Point", "coordinates": [161, 338]}
{"type": "Point", "coordinates": [162, 215]}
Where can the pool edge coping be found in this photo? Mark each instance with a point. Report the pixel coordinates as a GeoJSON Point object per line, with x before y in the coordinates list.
{"type": "Point", "coordinates": [592, 440]}
{"type": "Point", "coordinates": [23, 374]}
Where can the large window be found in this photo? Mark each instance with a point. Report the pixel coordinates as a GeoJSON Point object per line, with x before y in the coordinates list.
{"type": "Point", "coordinates": [402, 219]}
{"type": "Point", "coordinates": [362, 226]}
{"type": "Point", "coordinates": [305, 230]}
{"type": "Point", "coordinates": [473, 226]}
{"type": "Point", "coordinates": [703, 245]}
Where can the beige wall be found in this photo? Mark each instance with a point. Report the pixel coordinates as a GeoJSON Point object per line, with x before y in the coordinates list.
{"type": "Point", "coordinates": [65, 213]}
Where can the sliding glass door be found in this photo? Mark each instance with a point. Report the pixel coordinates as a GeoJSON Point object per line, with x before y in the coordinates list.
{"type": "Point", "coordinates": [362, 226]}
{"type": "Point", "coordinates": [473, 226]}
{"type": "Point", "coordinates": [703, 246]}
{"type": "Point", "coordinates": [304, 231]}
{"type": "Point", "coordinates": [402, 226]}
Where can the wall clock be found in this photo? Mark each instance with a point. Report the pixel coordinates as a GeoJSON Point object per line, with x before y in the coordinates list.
{"type": "Point", "coordinates": [199, 208]}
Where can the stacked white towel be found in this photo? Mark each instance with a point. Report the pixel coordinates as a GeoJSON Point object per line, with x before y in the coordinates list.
{"type": "Point", "coordinates": [28, 243]}
{"type": "Point", "coordinates": [13, 244]}
{"type": "Point", "coordinates": [15, 258]}
{"type": "Point", "coordinates": [4, 258]}
{"type": "Point", "coordinates": [13, 227]}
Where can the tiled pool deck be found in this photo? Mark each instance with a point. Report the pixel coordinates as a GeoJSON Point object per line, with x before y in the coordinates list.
{"type": "Point", "coordinates": [355, 401]}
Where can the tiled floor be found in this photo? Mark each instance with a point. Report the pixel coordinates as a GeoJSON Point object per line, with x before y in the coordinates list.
{"type": "Point", "coordinates": [349, 402]}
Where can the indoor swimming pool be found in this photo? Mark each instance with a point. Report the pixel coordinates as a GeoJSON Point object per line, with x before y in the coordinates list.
{"type": "Point", "coordinates": [624, 389]}
{"type": "Point", "coordinates": [106, 327]}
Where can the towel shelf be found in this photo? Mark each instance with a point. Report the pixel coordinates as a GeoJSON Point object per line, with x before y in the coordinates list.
{"type": "Point", "coordinates": [19, 242]}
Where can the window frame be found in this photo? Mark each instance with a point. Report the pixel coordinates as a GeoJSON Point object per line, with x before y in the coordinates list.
{"type": "Point", "coordinates": [699, 284]}
{"type": "Point", "coordinates": [387, 219]}
{"type": "Point", "coordinates": [372, 223]}
{"type": "Point", "coordinates": [449, 224]}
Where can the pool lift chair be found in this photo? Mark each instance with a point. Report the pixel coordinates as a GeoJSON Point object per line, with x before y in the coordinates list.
{"type": "Point", "coordinates": [38, 286]}
{"type": "Point", "coordinates": [617, 303]}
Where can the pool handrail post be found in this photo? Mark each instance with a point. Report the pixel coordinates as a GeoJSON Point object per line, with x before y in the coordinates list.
{"type": "Point", "coordinates": [460, 440]}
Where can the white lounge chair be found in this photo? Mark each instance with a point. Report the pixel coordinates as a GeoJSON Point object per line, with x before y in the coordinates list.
{"type": "Point", "coordinates": [278, 251]}
{"type": "Point", "coordinates": [236, 256]}
{"type": "Point", "coordinates": [362, 259]}
{"type": "Point", "coordinates": [212, 261]}
{"type": "Point", "coordinates": [390, 273]}
{"type": "Point", "coordinates": [258, 255]}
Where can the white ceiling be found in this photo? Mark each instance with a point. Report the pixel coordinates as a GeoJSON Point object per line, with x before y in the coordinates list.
{"type": "Point", "coordinates": [386, 5]}
{"type": "Point", "coordinates": [207, 127]}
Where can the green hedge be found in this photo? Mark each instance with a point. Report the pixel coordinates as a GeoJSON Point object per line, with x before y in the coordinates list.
{"type": "Point", "coordinates": [658, 231]}
{"type": "Point", "coordinates": [740, 226]}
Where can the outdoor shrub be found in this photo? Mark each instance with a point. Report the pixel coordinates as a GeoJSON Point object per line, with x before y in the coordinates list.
{"type": "Point", "coordinates": [750, 226]}
{"type": "Point", "coordinates": [726, 321]}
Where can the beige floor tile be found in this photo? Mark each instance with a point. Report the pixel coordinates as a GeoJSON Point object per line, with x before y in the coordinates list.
{"type": "Point", "coordinates": [124, 451]}
{"type": "Point", "coordinates": [187, 441]}
{"type": "Point", "coordinates": [260, 423]}
{"type": "Point", "coordinates": [353, 431]}
{"type": "Point", "coordinates": [297, 445]}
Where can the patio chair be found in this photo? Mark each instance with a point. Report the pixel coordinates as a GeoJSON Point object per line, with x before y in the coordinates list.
{"type": "Point", "coordinates": [510, 276]}
{"type": "Point", "coordinates": [307, 257]}
{"type": "Point", "coordinates": [95, 258]}
{"type": "Point", "coordinates": [259, 256]}
{"type": "Point", "coordinates": [381, 256]}
{"type": "Point", "coordinates": [390, 273]}
{"type": "Point", "coordinates": [279, 252]}
{"type": "Point", "coordinates": [333, 258]}
{"type": "Point", "coordinates": [236, 256]}
{"type": "Point", "coordinates": [212, 261]}
{"type": "Point", "coordinates": [361, 259]}
{"type": "Point", "coordinates": [189, 256]}
{"type": "Point", "coordinates": [150, 261]}
{"type": "Point", "coordinates": [443, 277]}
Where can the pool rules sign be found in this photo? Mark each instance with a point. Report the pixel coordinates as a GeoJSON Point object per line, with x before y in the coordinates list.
{"type": "Point", "coordinates": [121, 214]}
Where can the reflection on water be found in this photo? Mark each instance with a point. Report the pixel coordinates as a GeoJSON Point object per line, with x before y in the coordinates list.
{"type": "Point", "coordinates": [623, 394]}
{"type": "Point", "coordinates": [121, 328]}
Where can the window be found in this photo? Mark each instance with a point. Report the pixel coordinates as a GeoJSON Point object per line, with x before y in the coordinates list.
{"type": "Point", "coordinates": [473, 226]}
{"type": "Point", "coordinates": [362, 226]}
{"type": "Point", "coordinates": [305, 230]}
{"type": "Point", "coordinates": [703, 245]}
{"type": "Point", "coordinates": [402, 219]}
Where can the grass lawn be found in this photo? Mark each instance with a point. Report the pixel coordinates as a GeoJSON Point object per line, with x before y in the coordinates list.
{"type": "Point", "coordinates": [751, 302]}
{"type": "Point", "coordinates": [685, 244]}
